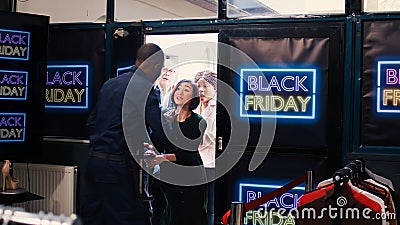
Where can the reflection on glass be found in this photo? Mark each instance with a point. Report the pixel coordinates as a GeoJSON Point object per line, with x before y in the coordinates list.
{"type": "Point", "coordinates": [240, 8]}
{"type": "Point", "coordinates": [61, 11]}
{"type": "Point", "coordinates": [381, 5]}
{"type": "Point", "coordinates": [275, 8]}
{"type": "Point", "coordinates": [130, 10]}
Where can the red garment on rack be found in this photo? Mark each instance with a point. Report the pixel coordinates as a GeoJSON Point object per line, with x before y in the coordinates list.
{"type": "Point", "coordinates": [316, 194]}
{"type": "Point", "coordinates": [323, 204]}
{"type": "Point", "coordinates": [311, 196]}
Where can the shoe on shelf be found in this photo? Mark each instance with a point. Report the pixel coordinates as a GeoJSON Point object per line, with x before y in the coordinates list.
{"type": "Point", "coordinates": [9, 182]}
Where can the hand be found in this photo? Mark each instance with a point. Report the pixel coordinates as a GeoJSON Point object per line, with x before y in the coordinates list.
{"type": "Point", "coordinates": [157, 160]}
{"type": "Point", "coordinates": [149, 154]}
{"type": "Point", "coordinates": [152, 159]}
{"type": "Point", "coordinates": [148, 146]}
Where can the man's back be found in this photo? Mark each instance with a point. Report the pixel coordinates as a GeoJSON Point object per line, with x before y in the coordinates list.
{"type": "Point", "coordinates": [105, 123]}
{"type": "Point", "coordinates": [112, 178]}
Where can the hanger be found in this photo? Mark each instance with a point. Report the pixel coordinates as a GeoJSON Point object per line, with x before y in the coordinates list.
{"type": "Point", "coordinates": [359, 179]}
{"type": "Point", "coordinates": [342, 175]}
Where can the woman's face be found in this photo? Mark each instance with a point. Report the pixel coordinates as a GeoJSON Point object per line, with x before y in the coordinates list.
{"type": "Point", "coordinates": [206, 90]}
{"type": "Point", "coordinates": [183, 93]}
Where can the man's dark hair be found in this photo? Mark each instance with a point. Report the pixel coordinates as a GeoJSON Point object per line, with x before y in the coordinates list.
{"type": "Point", "coordinates": [147, 50]}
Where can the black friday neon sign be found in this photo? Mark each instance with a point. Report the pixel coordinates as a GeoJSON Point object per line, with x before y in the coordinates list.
{"type": "Point", "coordinates": [293, 93]}
{"type": "Point", "coordinates": [67, 86]}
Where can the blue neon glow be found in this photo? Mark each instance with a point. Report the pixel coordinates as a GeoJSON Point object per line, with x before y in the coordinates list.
{"type": "Point", "coordinates": [25, 75]}
{"type": "Point", "coordinates": [26, 57]}
{"type": "Point", "coordinates": [382, 84]}
{"type": "Point", "coordinates": [123, 70]}
{"type": "Point", "coordinates": [85, 86]}
{"type": "Point", "coordinates": [279, 72]}
{"type": "Point", "coordinates": [262, 189]}
{"type": "Point", "coordinates": [23, 115]}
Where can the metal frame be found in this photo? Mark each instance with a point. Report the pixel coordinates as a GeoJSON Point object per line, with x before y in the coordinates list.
{"type": "Point", "coordinates": [196, 26]}
{"type": "Point", "coordinates": [353, 50]}
{"type": "Point", "coordinates": [109, 29]}
{"type": "Point", "coordinates": [356, 146]}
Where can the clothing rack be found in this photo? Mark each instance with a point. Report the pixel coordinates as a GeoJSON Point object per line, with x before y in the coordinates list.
{"type": "Point", "coordinates": [15, 215]}
{"type": "Point", "coordinates": [353, 187]}
{"type": "Point", "coordinates": [354, 169]}
{"type": "Point", "coordinates": [239, 208]}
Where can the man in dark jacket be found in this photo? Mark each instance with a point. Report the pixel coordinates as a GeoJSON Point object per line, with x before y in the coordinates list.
{"type": "Point", "coordinates": [117, 125]}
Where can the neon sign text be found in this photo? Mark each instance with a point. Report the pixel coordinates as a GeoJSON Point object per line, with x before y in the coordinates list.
{"type": "Point", "coordinates": [388, 87]}
{"type": "Point", "coordinates": [258, 217]}
{"type": "Point", "coordinates": [12, 127]}
{"type": "Point", "coordinates": [258, 83]}
{"type": "Point", "coordinates": [288, 200]}
{"type": "Point", "coordinates": [276, 103]}
{"type": "Point", "coordinates": [67, 86]}
{"type": "Point", "coordinates": [290, 93]}
{"type": "Point", "coordinates": [13, 85]}
{"type": "Point", "coordinates": [14, 44]}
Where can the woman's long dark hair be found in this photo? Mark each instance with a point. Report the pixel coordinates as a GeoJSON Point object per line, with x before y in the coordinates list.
{"type": "Point", "coordinates": [195, 101]}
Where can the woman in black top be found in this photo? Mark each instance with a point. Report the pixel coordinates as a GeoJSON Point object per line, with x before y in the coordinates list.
{"type": "Point", "coordinates": [182, 170]}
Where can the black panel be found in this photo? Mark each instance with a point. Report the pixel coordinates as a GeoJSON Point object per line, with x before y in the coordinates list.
{"type": "Point", "coordinates": [380, 126]}
{"type": "Point", "coordinates": [23, 58]}
{"type": "Point", "coordinates": [83, 47]}
{"type": "Point", "coordinates": [124, 48]}
{"type": "Point", "coordinates": [295, 46]}
{"type": "Point", "coordinates": [298, 145]}
{"type": "Point", "coordinates": [5, 5]}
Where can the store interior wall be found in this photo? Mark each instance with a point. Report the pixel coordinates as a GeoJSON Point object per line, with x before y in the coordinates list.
{"type": "Point", "coordinates": [61, 11]}
{"type": "Point", "coordinates": [70, 153]}
{"type": "Point", "coordinates": [65, 11]}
